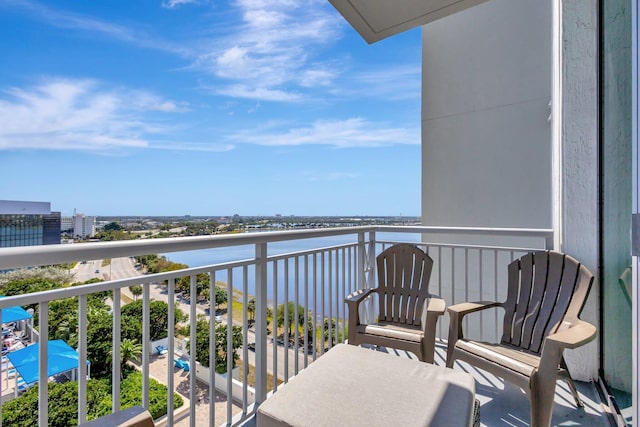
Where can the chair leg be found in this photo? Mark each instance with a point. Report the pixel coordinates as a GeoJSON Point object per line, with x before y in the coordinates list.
{"type": "Point", "coordinates": [564, 373]}
{"type": "Point", "coordinates": [541, 408]}
{"type": "Point", "coordinates": [574, 392]}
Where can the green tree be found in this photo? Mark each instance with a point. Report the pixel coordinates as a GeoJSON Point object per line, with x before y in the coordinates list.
{"type": "Point", "coordinates": [129, 349]}
{"type": "Point", "coordinates": [113, 226]}
{"type": "Point", "coordinates": [290, 316]}
{"type": "Point", "coordinates": [136, 291]}
{"type": "Point", "coordinates": [334, 326]}
{"type": "Point", "coordinates": [251, 308]}
{"type": "Point", "coordinates": [222, 297]}
{"type": "Point", "coordinates": [202, 286]}
{"type": "Point", "coordinates": [202, 344]}
{"type": "Point", "coordinates": [158, 318]}
{"type": "Point", "coordinates": [27, 286]}
{"type": "Point", "coordinates": [63, 401]}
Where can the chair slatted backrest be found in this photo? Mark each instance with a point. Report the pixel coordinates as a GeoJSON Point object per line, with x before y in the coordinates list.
{"type": "Point", "coordinates": [403, 279]}
{"type": "Point", "coordinates": [546, 291]}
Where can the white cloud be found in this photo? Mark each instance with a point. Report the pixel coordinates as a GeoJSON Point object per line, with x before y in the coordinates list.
{"type": "Point", "coordinates": [258, 93]}
{"type": "Point", "coordinates": [192, 146]}
{"type": "Point", "coordinates": [66, 114]}
{"type": "Point", "coordinates": [172, 4]}
{"type": "Point", "coordinates": [270, 50]}
{"type": "Point", "coordinates": [76, 21]}
{"type": "Point", "coordinates": [355, 132]}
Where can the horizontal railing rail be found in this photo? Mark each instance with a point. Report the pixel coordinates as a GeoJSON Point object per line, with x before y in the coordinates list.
{"type": "Point", "coordinates": [299, 299]}
{"type": "Point", "coordinates": [30, 256]}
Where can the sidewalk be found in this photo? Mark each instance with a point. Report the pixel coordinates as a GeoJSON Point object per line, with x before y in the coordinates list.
{"type": "Point", "coordinates": [158, 369]}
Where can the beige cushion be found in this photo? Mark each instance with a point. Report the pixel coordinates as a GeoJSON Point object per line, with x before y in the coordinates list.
{"type": "Point", "coordinates": [353, 386]}
{"type": "Point", "coordinates": [393, 330]}
{"type": "Point", "coordinates": [510, 358]}
{"type": "Point", "coordinates": [135, 416]}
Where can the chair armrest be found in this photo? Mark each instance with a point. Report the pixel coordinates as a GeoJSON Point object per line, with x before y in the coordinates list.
{"type": "Point", "coordinates": [465, 308]}
{"type": "Point", "coordinates": [353, 303]}
{"type": "Point", "coordinates": [576, 335]}
{"type": "Point", "coordinates": [430, 316]}
{"type": "Point", "coordinates": [433, 310]}
{"type": "Point", "coordinates": [436, 305]}
{"type": "Point", "coordinates": [358, 295]}
{"type": "Point", "coordinates": [456, 313]}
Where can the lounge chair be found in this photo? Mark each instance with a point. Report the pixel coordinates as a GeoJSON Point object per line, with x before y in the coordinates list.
{"type": "Point", "coordinates": [162, 350]}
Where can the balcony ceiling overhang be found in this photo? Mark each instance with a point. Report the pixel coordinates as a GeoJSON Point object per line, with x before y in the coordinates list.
{"type": "Point", "coordinates": [375, 20]}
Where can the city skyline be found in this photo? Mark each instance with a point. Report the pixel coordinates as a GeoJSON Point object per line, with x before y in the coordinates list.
{"type": "Point", "coordinates": [191, 107]}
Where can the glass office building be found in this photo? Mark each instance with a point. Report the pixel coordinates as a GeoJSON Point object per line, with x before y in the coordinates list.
{"type": "Point", "coordinates": [28, 224]}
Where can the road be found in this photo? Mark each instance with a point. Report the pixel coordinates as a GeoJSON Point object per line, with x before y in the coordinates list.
{"type": "Point", "coordinates": [121, 268]}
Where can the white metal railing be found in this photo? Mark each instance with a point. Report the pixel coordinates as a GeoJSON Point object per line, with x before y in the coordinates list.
{"type": "Point", "coordinates": [468, 264]}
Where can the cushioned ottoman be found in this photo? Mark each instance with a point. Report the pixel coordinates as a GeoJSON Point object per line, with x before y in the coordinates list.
{"type": "Point", "coordinates": [353, 386]}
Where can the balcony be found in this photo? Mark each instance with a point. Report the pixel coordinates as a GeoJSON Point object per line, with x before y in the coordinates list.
{"type": "Point", "coordinates": [322, 268]}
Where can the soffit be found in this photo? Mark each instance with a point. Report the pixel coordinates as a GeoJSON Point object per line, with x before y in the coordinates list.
{"type": "Point", "coordinates": [375, 20]}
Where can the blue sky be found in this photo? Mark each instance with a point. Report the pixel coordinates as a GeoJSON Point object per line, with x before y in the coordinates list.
{"type": "Point", "coordinates": [175, 107]}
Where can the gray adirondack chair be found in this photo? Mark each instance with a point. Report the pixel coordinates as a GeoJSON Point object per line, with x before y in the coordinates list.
{"type": "Point", "coordinates": [407, 312]}
{"type": "Point", "coordinates": [546, 293]}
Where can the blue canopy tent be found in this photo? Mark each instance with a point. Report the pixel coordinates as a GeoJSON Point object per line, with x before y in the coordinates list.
{"type": "Point", "coordinates": [14, 314]}
{"type": "Point", "coordinates": [61, 358]}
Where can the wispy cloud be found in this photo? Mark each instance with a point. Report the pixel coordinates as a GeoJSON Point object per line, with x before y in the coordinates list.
{"type": "Point", "coordinates": [267, 56]}
{"type": "Point", "coordinates": [392, 83]}
{"type": "Point", "coordinates": [84, 114]}
{"type": "Point", "coordinates": [355, 132]}
{"type": "Point", "coordinates": [172, 4]}
{"type": "Point", "coordinates": [75, 21]}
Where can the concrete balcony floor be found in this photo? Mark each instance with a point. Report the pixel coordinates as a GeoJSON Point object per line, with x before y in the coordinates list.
{"type": "Point", "coordinates": [503, 404]}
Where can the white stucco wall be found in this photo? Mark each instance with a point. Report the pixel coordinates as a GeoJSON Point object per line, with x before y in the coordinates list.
{"type": "Point", "coordinates": [486, 140]}
{"type": "Point", "coordinates": [580, 160]}
{"type": "Point", "coordinates": [485, 134]}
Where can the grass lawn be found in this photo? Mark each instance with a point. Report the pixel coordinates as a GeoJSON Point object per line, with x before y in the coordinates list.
{"type": "Point", "coordinates": [251, 377]}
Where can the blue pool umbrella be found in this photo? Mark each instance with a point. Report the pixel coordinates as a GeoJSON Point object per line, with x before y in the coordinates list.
{"type": "Point", "coordinates": [14, 314]}
{"type": "Point", "coordinates": [61, 358]}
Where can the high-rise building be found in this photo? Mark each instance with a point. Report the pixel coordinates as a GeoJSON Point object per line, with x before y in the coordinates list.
{"type": "Point", "coordinates": [28, 224]}
{"type": "Point", "coordinates": [84, 225]}
{"type": "Point", "coordinates": [79, 225]}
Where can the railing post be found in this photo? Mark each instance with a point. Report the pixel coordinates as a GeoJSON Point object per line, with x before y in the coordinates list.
{"type": "Point", "coordinates": [115, 360]}
{"type": "Point", "coordinates": [261, 322]}
{"type": "Point", "coordinates": [43, 385]}
{"type": "Point", "coordinates": [1, 379]}
{"type": "Point", "coordinates": [370, 272]}
{"type": "Point", "coordinates": [193, 316]}
{"type": "Point", "coordinates": [171, 332]}
{"type": "Point", "coordinates": [82, 358]}
{"type": "Point", "coordinates": [146, 339]}
{"type": "Point", "coordinates": [361, 261]}
{"type": "Point", "coordinates": [371, 260]}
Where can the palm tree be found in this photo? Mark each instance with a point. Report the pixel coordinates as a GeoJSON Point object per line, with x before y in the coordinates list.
{"type": "Point", "coordinates": [251, 308]}
{"type": "Point", "coordinates": [136, 291]}
{"type": "Point", "coordinates": [129, 349]}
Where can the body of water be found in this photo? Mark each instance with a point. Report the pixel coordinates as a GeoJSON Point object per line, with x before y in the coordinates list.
{"type": "Point", "coordinates": [206, 257]}
{"type": "Point", "coordinates": [235, 253]}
